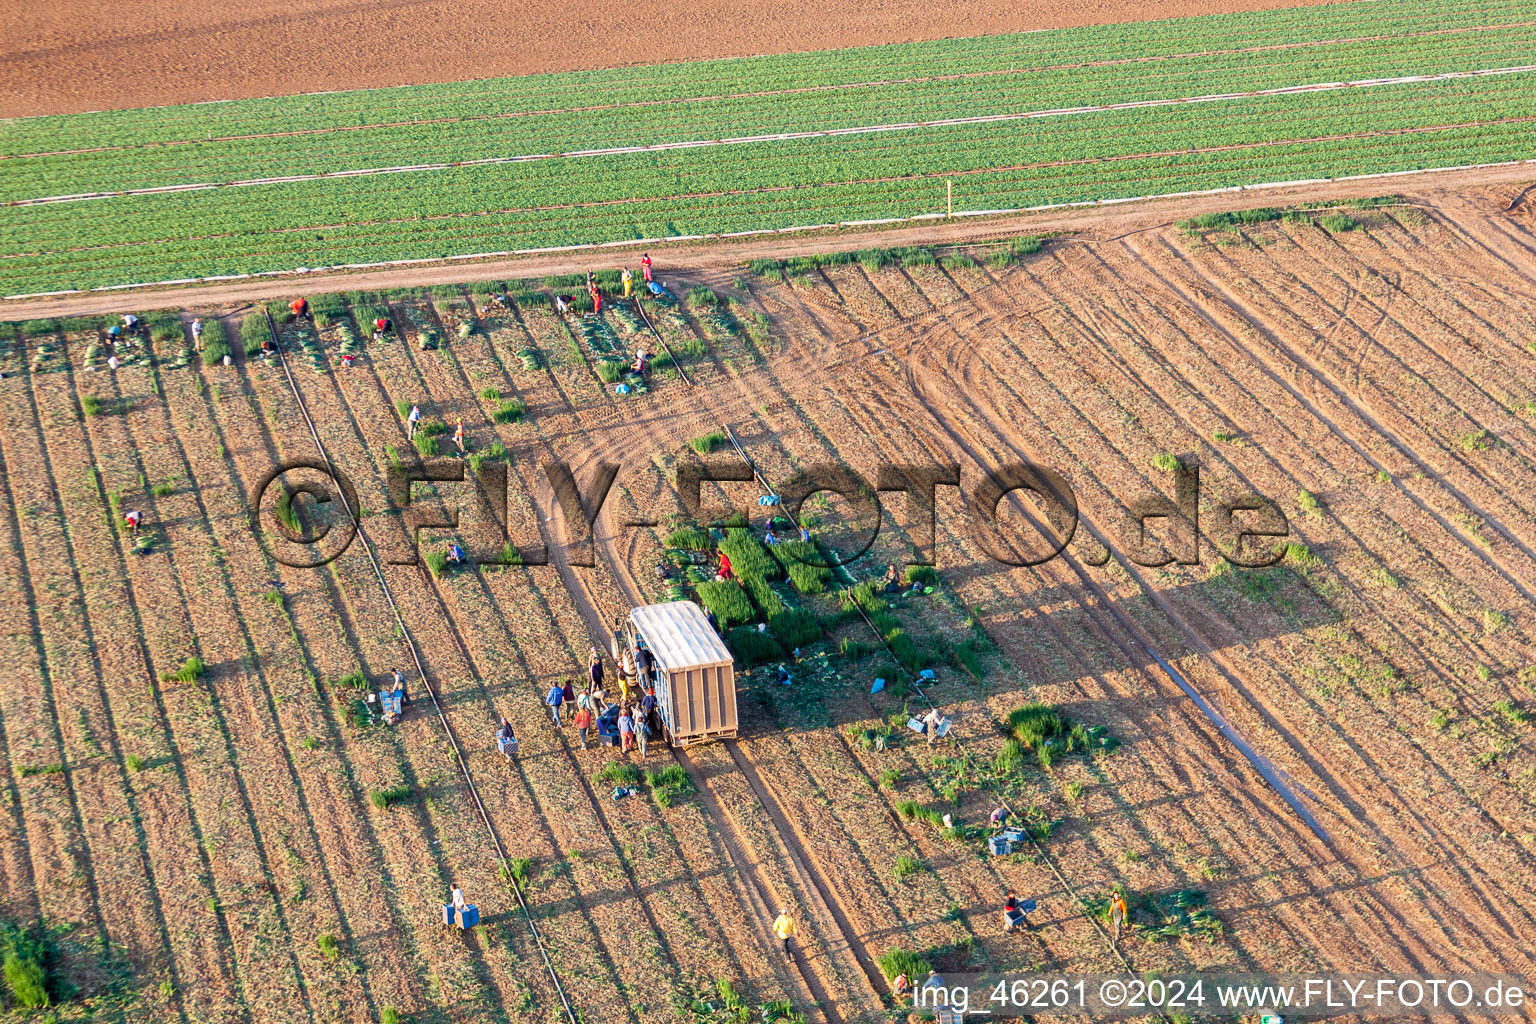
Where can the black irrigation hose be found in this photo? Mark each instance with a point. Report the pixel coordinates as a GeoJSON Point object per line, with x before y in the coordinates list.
{"type": "Point", "coordinates": [640, 308]}
{"type": "Point", "coordinates": [474, 794]}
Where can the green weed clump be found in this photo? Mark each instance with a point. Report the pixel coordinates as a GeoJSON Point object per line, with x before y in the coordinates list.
{"type": "Point", "coordinates": [191, 670]}
{"type": "Point", "coordinates": [516, 869]}
{"type": "Point", "coordinates": [702, 296]}
{"type": "Point", "coordinates": [669, 785]}
{"type": "Point", "coordinates": [906, 867]}
{"type": "Point", "coordinates": [426, 444]}
{"type": "Point", "coordinates": [328, 946]}
{"type": "Point", "coordinates": [90, 405]}
{"type": "Point", "coordinates": [708, 442]}
{"type": "Point", "coordinates": [1166, 462]}
{"type": "Point", "coordinates": [619, 773]}
{"type": "Point", "coordinates": [383, 799]}
{"type": "Point", "coordinates": [1338, 223]}
{"type": "Point", "coordinates": [509, 411]}
{"type": "Point", "coordinates": [609, 370]}
{"type": "Point", "coordinates": [437, 562]}
{"type": "Point", "coordinates": [896, 962]}
{"type": "Point", "coordinates": [24, 959]}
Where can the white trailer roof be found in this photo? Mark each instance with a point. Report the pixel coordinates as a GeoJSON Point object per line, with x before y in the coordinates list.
{"type": "Point", "coordinates": [679, 636]}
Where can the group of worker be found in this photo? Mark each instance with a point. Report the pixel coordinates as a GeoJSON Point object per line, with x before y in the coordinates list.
{"type": "Point", "coordinates": [634, 718]}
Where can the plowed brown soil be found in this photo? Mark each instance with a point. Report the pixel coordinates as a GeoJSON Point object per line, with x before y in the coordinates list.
{"type": "Point", "coordinates": [65, 58]}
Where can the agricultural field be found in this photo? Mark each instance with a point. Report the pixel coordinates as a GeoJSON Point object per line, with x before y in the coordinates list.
{"type": "Point", "coordinates": [1322, 763]}
{"type": "Point", "coordinates": [644, 155]}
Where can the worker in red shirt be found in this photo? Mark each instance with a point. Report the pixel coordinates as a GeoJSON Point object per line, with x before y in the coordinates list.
{"type": "Point", "coordinates": [724, 572]}
{"type": "Point", "coordinates": [458, 436]}
{"type": "Point", "coordinates": [645, 267]}
{"type": "Point", "coordinates": [597, 300]}
{"type": "Point", "coordinates": [300, 307]}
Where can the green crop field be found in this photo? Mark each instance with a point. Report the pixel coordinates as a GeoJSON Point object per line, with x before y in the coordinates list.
{"type": "Point", "coordinates": [547, 176]}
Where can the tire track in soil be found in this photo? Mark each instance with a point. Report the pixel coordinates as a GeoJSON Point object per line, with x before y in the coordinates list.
{"type": "Point", "coordinates": [703, 773]}
{"type": "Point", "coordinates": [798, 859]}
{"type": "Point", "coordinates": [606, 823]}
{"type": "Point", "coordinates": [329, 635]}
{"type": "Point", "coordinates": [1298, 733]}
{"type": "Point", "coordinates": [212, 641]}
{"type": "Point", "coordinates": [1504, 489]}
{"type": "Point", "coordinates": [1125, 653]}
{"type": "Point", "coordinates": [585, 597]}
{"type": "Point", "coordinates": [853, 392]}
{"type": "Point", "coordinates": [1208, 285]}
{"type": "Point", "coordinates": [813, 359]}
{"type": "Point", "coordinates": [1359, 805]}
{"type": "Point", "coordinates": [171, 825]}
{"type": "Point", "coordinates": [754, 891]}
{"type": "Point", "coordinates": [1222, 412]}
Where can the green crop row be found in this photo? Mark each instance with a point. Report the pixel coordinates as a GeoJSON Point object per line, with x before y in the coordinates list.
{"type": "Point", "coordinates": [1098, 156]}
{"type": "Point", "coordinates": [1120, 42]}
{"type": "Point", "coordinates": [721, 117]}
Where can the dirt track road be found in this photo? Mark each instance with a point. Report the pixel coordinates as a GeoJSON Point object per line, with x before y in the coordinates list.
{"type": "Point", "coordinates": [90, 55]}
{"type": "Point", "coordinates": [1096, 223]}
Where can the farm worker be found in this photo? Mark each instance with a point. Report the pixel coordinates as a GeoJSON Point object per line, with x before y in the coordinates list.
{"type": "Point", "coordinates": [114, 333]}
{"type": "Point", "coordinates": [458, 435]}
{"type": "Point", "coordinates": [999, 817]}
{"type": "Point", "coordinates": [112, 361]}
{"type": "Point", "coordinates": [784, 676]}
{"type": "Point", "coordinates": [769, 538]}
{"type": "Point", "coordinates": [455, 555]}
{"type": "Point", "coordinates": [554, 699]}
{"type": "Point", "coordinates": [381, 325]}
{"type": "Point", "coordinates": [300, 307]}
{"type": "Point", "coordinates": [643, 660]}
{"type": "Point", "coordinates": [347, 359]}
{"type": "Point", "coordinates": [400, 687]}
{"type": "Point", "coordinates": [642, 733]}
{"type": "Point", "coordinates": [784, 929]}
{"type": "Point", "coordinates": [626, 666]}
{"type": "Point", "coordinates": [506, 740]}
{"type": "Point", "coordinates": [594, 670]}
{"type": "Point", "coordinates": [931, 722]}
{"type": "Point", "coordinates": [456, 897]}
{"type": "Point", "coordinates": [562, 304]}
{"type": "Point", "coordinates": [133, 519]}
{"type": "Point", "coordinates": [723, 572]}
{"type": "Point", "coordinates": [626, 729]}
{"type": "Point", "coordinates": [892, 584]}
{"type": "Point", "coordinates": [805, 534]}
{"type": "Point", "coordinates": [645, 267]}
{"type": "Point", "coordinates": [583, 721]}
{"type": "Point", "coordinates": [1119, 914]}
{"type": "Point", "coordinates": [628, 279]}
{"type": "Point", "coordinates": [597, 299]}
{"type": "Point", "coordinates": [411, 422]}
{"type": "Point", "coordinates": [709, 617]}
{"type": "Point", "coordinates": [901, 988]}
{"type": "Point", "coordinates": [648, 704]}
{"type": "Point", "coordinates": [197, 333]}
{"type": "Point", "coordinates": [591, 281]}
{"type": "Point", "coordinates": [1013, 914]}
{"type": "Point", "coordinates": [130, 322]}
{"type": "Point", "coordinates": [567, 691]}
{"type": "Point", "coordinates": [638, 364]}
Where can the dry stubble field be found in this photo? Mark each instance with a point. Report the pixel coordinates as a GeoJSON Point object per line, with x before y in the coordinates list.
{"type": "Point", "coordinates": [205, 849]}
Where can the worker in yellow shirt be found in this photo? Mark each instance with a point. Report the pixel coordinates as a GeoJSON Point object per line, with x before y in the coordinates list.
{"type": "Point", "coordinates": [784, 928]}
{"type": "Point", "coordinates": [628, 279]}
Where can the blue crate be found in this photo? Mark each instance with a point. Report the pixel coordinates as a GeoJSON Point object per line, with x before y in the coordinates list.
{"type": "Point", "coordinates": [999, 845]}
{"type": "Point", "coordinates": [469, 916]}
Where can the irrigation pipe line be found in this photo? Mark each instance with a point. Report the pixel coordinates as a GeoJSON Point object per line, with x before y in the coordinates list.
{"type": "Point", "coordinates": [1039, 849]}
{"type": "Point", "coordinates": [640, 308]}
{"type": "Point", "coordinates": [743, 140]}
{"type": "Point", "coordinates": [630, 243]}
{"type": "Point", "coordinates": [410, 644]}
{"type": "Point", "coordinates": [761, 480]}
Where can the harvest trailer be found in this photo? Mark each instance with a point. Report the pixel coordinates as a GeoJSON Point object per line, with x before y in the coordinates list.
{"type": "Point", "coordinates": [694, 672]}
